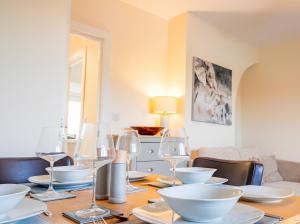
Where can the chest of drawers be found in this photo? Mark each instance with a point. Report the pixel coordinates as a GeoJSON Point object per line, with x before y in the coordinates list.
{"type": "Point", "coordinates": [148, 159]}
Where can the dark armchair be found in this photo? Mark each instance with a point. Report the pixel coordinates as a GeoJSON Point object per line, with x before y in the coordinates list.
{"type": "Point", "coordinates": [238, 173]}
{"type": "Point", "coordinates": [19, 169]}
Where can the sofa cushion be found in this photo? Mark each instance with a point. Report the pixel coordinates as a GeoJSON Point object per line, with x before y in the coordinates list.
{"type": "Point", "coordinates": [252, 154]}
{"type": "Point", "coordinates": [271, 173]}
{"type": "Point", "coordinates": [286, 184]}
{"type": "Point", "coordinates": [227, 153]}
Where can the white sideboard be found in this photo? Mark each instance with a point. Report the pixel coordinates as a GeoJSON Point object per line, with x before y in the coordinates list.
{"type": "Point", "coordinates": [148, 159]}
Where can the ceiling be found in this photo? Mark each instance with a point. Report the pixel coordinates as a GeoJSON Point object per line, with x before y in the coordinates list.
{"type": "Point", "coordinates": [258, 22]}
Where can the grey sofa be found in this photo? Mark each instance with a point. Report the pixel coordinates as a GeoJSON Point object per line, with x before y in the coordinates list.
{"type": "Point", "coordinates": [286, 174]}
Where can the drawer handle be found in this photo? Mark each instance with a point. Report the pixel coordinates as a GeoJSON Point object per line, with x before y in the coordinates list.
{"type": "Point", "coordinates": [150, 151]}
{"type": "Point", "coordinates": [150, 170]}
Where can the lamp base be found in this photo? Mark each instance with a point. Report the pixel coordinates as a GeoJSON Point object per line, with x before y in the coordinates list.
{"type": "Point", "coordinates": [164, 121]}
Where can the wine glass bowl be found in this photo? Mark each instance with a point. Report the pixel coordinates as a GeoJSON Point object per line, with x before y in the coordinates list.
{"type": "Point", "coordinates": [128, 140]}
{"type": "Point", "coordinates": [174, 148]}
{"type": "Point", "coordinates": [51, 148]}
{"type": "Point", "coordinates": [94, 149]}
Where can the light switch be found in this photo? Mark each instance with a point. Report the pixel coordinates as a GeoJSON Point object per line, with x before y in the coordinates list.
{"type": "Point", "coordinates": [115, 116]}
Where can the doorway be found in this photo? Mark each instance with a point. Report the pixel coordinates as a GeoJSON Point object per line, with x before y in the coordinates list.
{"type": "Point", "coordinates": [83, 84]}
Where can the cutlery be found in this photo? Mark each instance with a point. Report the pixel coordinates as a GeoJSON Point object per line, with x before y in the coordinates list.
{"type": "Point", "coordinates": [103, 220]}
{"type": "Point", "coordinates": [47, 213]}
{"type": "Point", "coordinates": [121, 217]}
{"type": "Point", "coordinates": [280, 218]}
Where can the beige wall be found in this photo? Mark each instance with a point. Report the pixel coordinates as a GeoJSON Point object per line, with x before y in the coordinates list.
{"type": "Point", "coordinates": [176, 65]}
{"type": "Point", "coordinates": [92, 74]}
{"type": "Point", "coordinates": [151, 56]}
{"type": "Point", "coordinates": [270, 104]}
{"type": "Point", "coordinates": [34, 52]}
{"type": "Point", "coordinates": [209, 43]}
{"type": "Point", "coordinates": [138, 57]}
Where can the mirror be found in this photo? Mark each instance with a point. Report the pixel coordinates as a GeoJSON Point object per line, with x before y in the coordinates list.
{"type": "Point", "coordinates": [76, 85]}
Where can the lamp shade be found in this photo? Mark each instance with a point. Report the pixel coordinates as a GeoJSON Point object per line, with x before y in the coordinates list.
{"type": "Point", "coordinates": [164, 105]}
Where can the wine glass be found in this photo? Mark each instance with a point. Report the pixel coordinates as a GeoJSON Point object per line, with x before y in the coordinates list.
{"type": "Point", "coordinates": [94, 148]}
{"type": "Point", "coordinates": [51, 148]}
{"type": "Point", "coordinates": [174, 147]}
{"type": "Point", "coordinates": [128, 140]}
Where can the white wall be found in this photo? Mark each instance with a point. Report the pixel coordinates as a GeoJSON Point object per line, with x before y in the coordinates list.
{"type": "Point", "coordinates": [176, 66]}
{"type": "Point", "coordinates": [190, 36]}
{"type": "Point", "coordinates": [138, 57]}
{"type": "Point", "coordinates": [33, 58]}
{"type": "Point", "coordinates": [270, 104]}
{"type": "Point", "coordinates": [209, 43]}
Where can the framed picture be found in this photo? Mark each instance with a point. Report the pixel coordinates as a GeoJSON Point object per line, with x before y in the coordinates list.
{"type": "Point", "coordinates": [212, 90]}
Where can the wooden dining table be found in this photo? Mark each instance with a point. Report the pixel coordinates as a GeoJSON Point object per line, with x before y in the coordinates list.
{"type": "Point", "coordinates": [289, 208]}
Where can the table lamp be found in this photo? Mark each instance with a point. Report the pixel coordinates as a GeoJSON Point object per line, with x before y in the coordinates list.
{"type": "Point", "coordinates": [164, 105]}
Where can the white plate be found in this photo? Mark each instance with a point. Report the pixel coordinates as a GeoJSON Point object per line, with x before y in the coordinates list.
{"type": "Point", "coordinates": [44, 180]}
{"type": "Point", "coordinates": [265, 194]}
{"type": "Point", "coordinates": [211, 181]}
{"type": "Point", "coordinates": [136, 175]}
{"type": "Point", "coordinates": [240, 214]}
{"type": "Point", "coordinates": [169, 180]}
{"type": "Point", "coordinates": [26, 209]}
{"type": "Point", "coordinates": [216, 181]}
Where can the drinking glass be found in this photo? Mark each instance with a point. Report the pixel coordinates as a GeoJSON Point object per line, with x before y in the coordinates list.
{"type": "Point", "coordinates": [174, 147]}
{"type": "Point", "coordinates": [95, 148]}
{"type": "Point", "coordinates": [51, 148]}
{"type": "Point", "coordinates": [128, 140]}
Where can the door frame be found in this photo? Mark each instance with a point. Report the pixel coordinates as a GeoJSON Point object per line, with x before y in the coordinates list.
{"type": "Point", "coordinates": [80, 55]}
{"type": "Point", "coordinates": [103, 113]}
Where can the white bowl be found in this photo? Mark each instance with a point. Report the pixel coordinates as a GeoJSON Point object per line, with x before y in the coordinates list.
{"type": "Point", "coordinates": [199, 202]}
{"type": "Point", "coordinates": [69, 173]}
{"type": "Point", "coordinates": [10, 196]}
{"type": "Point", "coordinates": [192, 175]}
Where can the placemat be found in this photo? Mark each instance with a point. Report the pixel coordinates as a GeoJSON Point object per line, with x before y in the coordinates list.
{"type": "Point", "coordinates": [72, 216]}
{"type": "Point", "coordinates": [158, 184]}
{"type": "Point", "coordinates": [136, 190]}
{"type": "Point", "coordinates": [66, 195]}
{"type": "Point", "coordinates": [35, 189]}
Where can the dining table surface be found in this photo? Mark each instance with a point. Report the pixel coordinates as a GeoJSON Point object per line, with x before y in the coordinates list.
{"type": "Point", "coordinates": [288, 209]}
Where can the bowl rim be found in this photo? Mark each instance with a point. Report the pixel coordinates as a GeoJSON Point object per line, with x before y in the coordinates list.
{"type": "Point", "coordinates": [178, 196]}
{"type": "Point", "coordinates": [57, 168]}
{"type": "Point", "coordinates": [139, 127]}
{"type": "Point", "coordinates": [24, 190]}
{"type": "Point", "coordinates": [194, 169]}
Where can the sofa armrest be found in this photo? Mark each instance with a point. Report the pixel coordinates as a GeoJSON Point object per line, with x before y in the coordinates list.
{"type": "Point", "coordinates": [290, 171]}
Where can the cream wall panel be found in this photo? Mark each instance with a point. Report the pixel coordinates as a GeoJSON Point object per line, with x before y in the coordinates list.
{"type": "Point", "coordinates": [33, 79]}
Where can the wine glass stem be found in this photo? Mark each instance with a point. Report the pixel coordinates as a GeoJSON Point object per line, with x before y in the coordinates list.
{"type": "Point", "coordinates": [94, 189]}
{"type": "Point", "coordinates": [173, 184]}
{"type": "Point", "coordinates": [127, 171]}
{"type": "Point", "coordinates": [174, 173]}
{"type": "Point", "coordinates": [50, 188]}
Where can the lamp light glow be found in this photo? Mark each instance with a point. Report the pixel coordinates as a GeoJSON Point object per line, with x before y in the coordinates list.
{"type": "Point", "coordinates": [164, 105]}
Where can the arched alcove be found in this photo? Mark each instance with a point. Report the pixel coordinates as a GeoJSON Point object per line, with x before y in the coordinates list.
{"type": "Point", "coordinates": [238, 131]}
{"type": "Point", "coordinates": [269, 107]}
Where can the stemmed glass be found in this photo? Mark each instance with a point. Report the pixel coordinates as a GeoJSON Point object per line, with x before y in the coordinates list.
{"type": "Point", "coordinates": [50, 147]}
{"type": "Point", "coordinates": [128, 140]}
{"type": "Point", "coordinates": [95, 148]}
{"type": "Point", "coordinates": [174, 147]}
